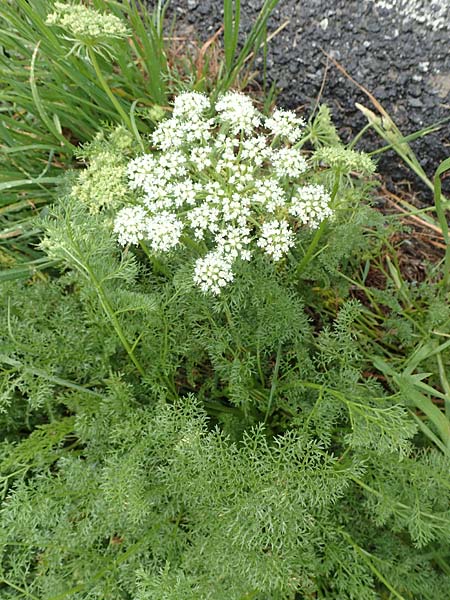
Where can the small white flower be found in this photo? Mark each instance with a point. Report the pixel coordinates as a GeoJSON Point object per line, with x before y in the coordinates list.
{"type": "Point", "coordinates": [233, 241]}
{"type": "Point", "coordinates": [235, 208]}
{"type": "Point", "coordinates": [203, 218]}
{"type": "Point", "coordinates": [228, 155]}
{"type": "Point", "coordinates": [157, 196]}
{"type": "Point", "coordinates": [169, 134]}
{"type": "Point", "coordinates": [201, 157]}
{"type": "Point", "coordinates": [197, 131]}
{"type": "Point", "coordinates": [130, 225]}
{"type": "Point", "coordinates": [269, 193]}
{"type": "Point", "coordinates": [310, 205]}
{"type": "Point", "coordinates": [255, 149]}
{"type": "Point", "coordinates": [276, 238]}
{"type": "Point", "coordinates": [190, 105]}
{"type": "Point", "coordinates": [213, 272]}
{"type": "Point", "coordinates": [173, 164]}
{"type": "Point", "coordinates": [140, 170]}
{"type": "Point", "coordinates": [289, 162]}
{"type": "Point", "coordinates": [163, 231]}
{"type": "Point", "coordinates": [286, 124]}
{"type": "Point", "coordinates": [185, 192]}
{"type": "Point", "coordinates": [237, 111]}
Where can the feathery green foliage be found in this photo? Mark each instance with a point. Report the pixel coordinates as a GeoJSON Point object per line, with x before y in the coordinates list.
{"type": "Point", "coordinates": [285, 439]}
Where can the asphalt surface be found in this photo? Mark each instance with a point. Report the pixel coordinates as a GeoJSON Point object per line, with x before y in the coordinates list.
{"type": "Point", "coordinates": [397, 49]}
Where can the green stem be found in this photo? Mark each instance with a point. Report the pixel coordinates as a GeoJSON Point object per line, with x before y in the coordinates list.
{"type": "Point", "coordinates": [273, 387]}
{"type": "Point", "coordinates": [18, 589]}
{"type": "Point", "coordinates": [86, 270]}
{"type": "Point", "coordinates": [312, 247]}
{"type": "Point", "coordinates": [258, 364]}
{"type": "Point", "coordinates": [115, 322]}
{"type": "Point", "coordinates": [366, 556]}
{"type": "Point", "coordinates": [52, 378]}
{"type": "Point", "coordinates": [125, 118]}
{"type": "Point", "coordinates": [445, 384]}
{"type": "Point", "coordinates": [359, 135]}
{"type": "Point", "coordinates": [158, 266]}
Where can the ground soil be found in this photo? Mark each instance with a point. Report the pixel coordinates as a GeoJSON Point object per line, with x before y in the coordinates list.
{"type": "Point", "coordinates": [397, 49]}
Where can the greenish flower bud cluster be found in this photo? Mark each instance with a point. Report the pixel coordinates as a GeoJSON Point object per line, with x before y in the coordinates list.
{"type": "Point", "coordinates": [85, 24]}
{"type": "Point", "coordinates": [104, 183]}
{"type": "Point", "coordinates": [345, 160]}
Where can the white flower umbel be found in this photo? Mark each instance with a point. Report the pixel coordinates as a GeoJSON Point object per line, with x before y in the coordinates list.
{"type": "Point", "coordinates": [203, 218]}
{"type": "Point", "coordinates": [270, 194]}
{"type": "Point", "coordinates": [141, 169]}
{"type": "Point", "coordinates": [237, 111]}
{"type": "Point", "coordinates": [87, 28]}
{"type": "Point", "coordinates": [255, 150]}
{"type": "Point", "coordinates": [201, 157]}
{"type": "Point", "coordinates": [233, 242]}
{"type": "Point", "coordinates": [190, 105]}
{"type": "Point", "coordinates": [163, 231]}
{"type": "Point", "coordinates": [311, 205]}
{"type": "Point", "coordinates": [289, 162]}
{"type": "Point", "coordinates": [226, 179]}
{"type": "Point", "coordinates": [276, 238]}
{"type": "Point", "coordinates": [130, 225]}
{"type": "Point", "coordinates": [286, 124]}
{"type": "Point", "coordinates": [185, 192]}
{"type": "Point", "coordinates": [168, 135]}
{"type": "Point", "coordinates": [213, 272]}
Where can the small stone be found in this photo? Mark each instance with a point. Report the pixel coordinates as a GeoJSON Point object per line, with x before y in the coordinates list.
{"type": "Point", "coordinates": [415, 102]}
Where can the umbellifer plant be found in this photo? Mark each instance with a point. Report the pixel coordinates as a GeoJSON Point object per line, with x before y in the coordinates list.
{"type": "Point", "coordinates": [243, 451]}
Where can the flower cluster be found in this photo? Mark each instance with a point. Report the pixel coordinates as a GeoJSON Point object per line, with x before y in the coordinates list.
{"type": "Point", "coordinates": [86, 26]}
{"type": "Point", "coordinates": [228, 179]}
{"type": "Point", "coordinates": [104, 183]}
{"type": "Point", "coordinates": [345, 160]}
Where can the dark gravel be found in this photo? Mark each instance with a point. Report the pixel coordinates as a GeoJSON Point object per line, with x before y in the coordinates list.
{"type": "Point", "coordinates": [399, 52]}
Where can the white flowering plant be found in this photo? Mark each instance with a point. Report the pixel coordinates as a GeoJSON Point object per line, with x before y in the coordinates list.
{"type": "Point", "coordinates": [225, 179]}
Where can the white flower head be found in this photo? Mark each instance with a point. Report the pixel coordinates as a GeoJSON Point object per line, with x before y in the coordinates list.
{"type": "Point", "coordinates": [169, 134]}
{"type": "Point", "coordinates": [130, 225]}
{"type": "Point", "coordinates": [270, 194]}
{"type": "Point", "coordinates": [222, 181]}
{"type": "Point", "coordinates": [237, 111]}
{"type": "Point", "coordinates": [311, 205]}
{"type": "Point", "coordinates": [289, 162]}
{"type": "Point", "coordinates": [88, 28]}
{"type": "Point", "coordinates": [185, 192]}
{"type": "Point", "coordinates": [172, 165]}
{"type": "Point", "coordinates": [202, 218]}
{"type": "Point", "coordinates": [213, 272]}
{"type": "Point", "coordinates": [196, 131]}
{"type": "Point", "coordinates": [276, 238]}
{"type": "Point", "coordinates": [285, 124]}
{"type": "Point", "coordinates": [140, 170]}
{"type": "Point", "coordinates": [255, 150]}
{"type": "Point", "coordinates": [190, 105]}
{"type": "Point", "coordinates": [163, 231]}
{"type": "Point", "coordinates": [235, 208]}
{"type": "Point", "coordinates": [201, 157]}
{"type": "Point", "coordinates": [233, 242]}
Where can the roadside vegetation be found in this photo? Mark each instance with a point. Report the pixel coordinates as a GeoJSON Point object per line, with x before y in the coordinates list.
{"type": "Point", "coordinates": [224, 362]}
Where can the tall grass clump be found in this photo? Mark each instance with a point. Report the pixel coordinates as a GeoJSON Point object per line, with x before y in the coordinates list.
{"type": "Point", "coordinates": [196, 400]}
